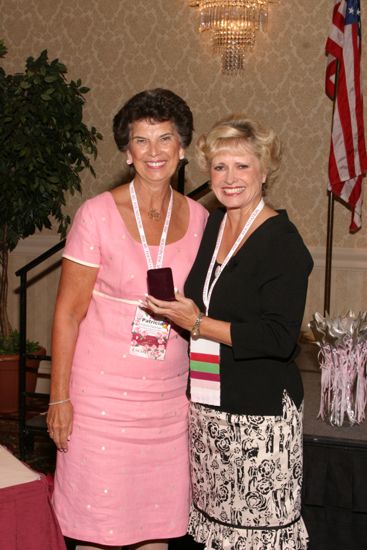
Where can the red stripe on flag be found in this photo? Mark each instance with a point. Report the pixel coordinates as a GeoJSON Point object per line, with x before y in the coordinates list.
{"type": "Point", "coordinates": [330, 77]}
{"type": "Point", "coordinates": [356, 191]}
{"type": "Point", "coordinates": [338, 18]}
{"type": "Point", "coordinates": [348, 156]}
{"type": "Point", "coordinates": [345, 119]}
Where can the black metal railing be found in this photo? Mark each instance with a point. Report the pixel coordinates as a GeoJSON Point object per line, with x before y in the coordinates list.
{"type": "Point", "coordinates": [25, 431]}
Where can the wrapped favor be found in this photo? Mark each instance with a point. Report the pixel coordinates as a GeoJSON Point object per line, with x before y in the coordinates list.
{"type": "Point", "coordinates": [342, 358]}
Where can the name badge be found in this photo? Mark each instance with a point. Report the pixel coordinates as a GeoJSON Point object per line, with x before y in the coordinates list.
{"type": "Point", "coordinates": [149, 336]}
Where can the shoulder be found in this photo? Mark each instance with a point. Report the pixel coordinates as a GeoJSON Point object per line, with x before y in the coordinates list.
{"type": "Point", "coordinates": [281, 225]}
{"type": "Point", "coordinates": [214, 220]}
{"type": "Point", "coordinates": [198, 214]}
{"type": "Point", "coordinates": [284, 241]}
{"type": "Point", "coordinates": [94, 203]}
{"type": "Point", "coordinates": [196, 207]}
{"type": "Point", "coordinates": [212, 226]}
{"type": "Point", "coordinates": [278, 226]}
{"type": "Point", "coordinates": [216, 217]}
{"type": "Point", "coordinates": [91, 215]}
{"type": "Point", "coordinates": [95, 206]}
{"type": "Point", "coordinates": [99, 201]}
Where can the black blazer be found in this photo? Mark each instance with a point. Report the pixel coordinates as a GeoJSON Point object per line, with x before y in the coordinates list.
{"type": "Point", "coordinates": [262, 293]}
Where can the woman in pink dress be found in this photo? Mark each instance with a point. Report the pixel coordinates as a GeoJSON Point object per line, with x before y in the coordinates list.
{"type": "Point", "coordinates": [118, 406]}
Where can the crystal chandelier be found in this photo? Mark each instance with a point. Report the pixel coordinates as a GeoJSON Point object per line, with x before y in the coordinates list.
{"type": "Point", "coordinates": [233, 24]}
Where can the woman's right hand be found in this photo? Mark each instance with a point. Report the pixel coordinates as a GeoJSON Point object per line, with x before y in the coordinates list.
{"type": "Point", "coordinates": [60, 424]}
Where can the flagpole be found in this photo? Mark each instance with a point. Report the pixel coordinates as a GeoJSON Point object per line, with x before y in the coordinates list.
{"type": "Point", "coordinates": [329, 252]}
{"type": "Point", "coordinates": [330, 219]}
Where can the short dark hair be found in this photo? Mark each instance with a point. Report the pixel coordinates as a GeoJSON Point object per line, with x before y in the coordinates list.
{"type": "Point", "coordinates": [157, 105]}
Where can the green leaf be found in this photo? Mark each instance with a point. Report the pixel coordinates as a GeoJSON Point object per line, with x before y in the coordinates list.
{"type": "Point", "coordinates": [3, 50]}
{"type": "Point", "coordinates": [51, 78]}
{"type": "Point", "coordinates": [45, 146]}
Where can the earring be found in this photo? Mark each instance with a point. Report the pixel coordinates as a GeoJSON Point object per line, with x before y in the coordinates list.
{"type": "Point", "coordinates": [129, 162]}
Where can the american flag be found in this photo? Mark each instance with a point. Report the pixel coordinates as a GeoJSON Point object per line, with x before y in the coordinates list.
{"type": "Point", "coordinates": [348, 158]}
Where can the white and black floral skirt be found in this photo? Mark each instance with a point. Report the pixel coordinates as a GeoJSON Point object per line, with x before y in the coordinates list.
{"type": "Point", "coordinates": [246, 477]}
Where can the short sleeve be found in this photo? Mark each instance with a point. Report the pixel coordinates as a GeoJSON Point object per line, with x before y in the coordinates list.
{"type": "Point", "coordinates": [83, 242]}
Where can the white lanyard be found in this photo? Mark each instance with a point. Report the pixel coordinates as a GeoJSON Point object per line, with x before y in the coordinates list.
{"type": "Point", "coordinates": [207, 292]}
{"type": "Point", "coordinates": [143, 239]}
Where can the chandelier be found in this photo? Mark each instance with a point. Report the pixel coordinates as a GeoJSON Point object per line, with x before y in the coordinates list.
{"type": "Point", "coordinates": [233, 24]}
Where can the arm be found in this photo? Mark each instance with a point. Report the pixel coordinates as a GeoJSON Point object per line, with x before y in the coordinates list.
{"type": "Point", "coordinates": [184, 313]}
{"type": "Point", "coordinates": [73, 298]}
{"type": "Point", "coordinates": [281, 295]}
{"type": "Point", "coordinates": [280, 292]}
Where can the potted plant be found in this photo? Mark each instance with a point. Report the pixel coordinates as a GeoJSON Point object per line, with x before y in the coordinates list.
{"type": "Point", "coordinates": [9, 368]}
{"type": "Point", "coordinates": [44, 147]}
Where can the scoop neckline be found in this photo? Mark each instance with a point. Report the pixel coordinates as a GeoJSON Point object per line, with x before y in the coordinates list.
{"type": "Point", "coordinates": [139, 242]}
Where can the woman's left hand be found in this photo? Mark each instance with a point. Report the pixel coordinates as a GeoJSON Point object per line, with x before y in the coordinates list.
{"type": "Point", "coordinates": [183, 312]}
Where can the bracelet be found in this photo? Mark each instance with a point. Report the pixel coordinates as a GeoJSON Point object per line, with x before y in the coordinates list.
{"type": "Point", "coordinates": [195, 331]}
{"type": "Point", "coordinates": [59, 402]}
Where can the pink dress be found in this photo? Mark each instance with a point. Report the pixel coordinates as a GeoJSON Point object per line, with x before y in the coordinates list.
{"type": "Point", "coordinates": [125, 477]}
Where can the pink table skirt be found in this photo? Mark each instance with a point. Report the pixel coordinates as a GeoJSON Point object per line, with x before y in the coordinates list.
{"type": "Point", "coordinates": [27, 520]}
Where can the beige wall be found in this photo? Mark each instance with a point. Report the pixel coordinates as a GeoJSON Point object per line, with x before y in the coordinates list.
{"type": "Point", "coordinates": [118, 47]}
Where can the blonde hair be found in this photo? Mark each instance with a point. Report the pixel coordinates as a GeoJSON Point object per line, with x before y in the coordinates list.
{"type": "Point", "coordinates": [239, 132]}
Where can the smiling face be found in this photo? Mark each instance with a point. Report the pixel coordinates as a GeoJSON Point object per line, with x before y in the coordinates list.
{"type": "Point", "coordinates": [155, 150]}
{"type": "Point", "coordinates": [236, 178]}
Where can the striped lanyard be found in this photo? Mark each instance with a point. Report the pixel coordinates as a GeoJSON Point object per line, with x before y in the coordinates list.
{"type": "Point", "coordinates": [143, 239]}
{"type": "Point", "coordinates": [208, 290]}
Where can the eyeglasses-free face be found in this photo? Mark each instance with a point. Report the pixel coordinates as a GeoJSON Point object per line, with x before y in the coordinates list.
{"type": "Point", "coordinates": [155, 150]}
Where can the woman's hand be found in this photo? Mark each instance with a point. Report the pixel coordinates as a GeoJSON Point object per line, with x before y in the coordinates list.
{"type": "Point", "coordinates": [183, 312]}
{"type": "Point", "coordinates": [60, 424]}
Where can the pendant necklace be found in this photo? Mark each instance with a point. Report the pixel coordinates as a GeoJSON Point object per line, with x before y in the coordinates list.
{"type": "Point", "coordinates": [154, 214]}
{"type": "Point", "coordinates": [139, 223]}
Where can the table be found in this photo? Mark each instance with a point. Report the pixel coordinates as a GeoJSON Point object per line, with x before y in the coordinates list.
{"type": "Point", "coordinates": [27, 520]}
{"type": "Point", "coordinates": [335, 471]}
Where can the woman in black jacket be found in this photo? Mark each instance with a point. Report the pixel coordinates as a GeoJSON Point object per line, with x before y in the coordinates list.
{"type": "Point", "coordinates": [244, 305]}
